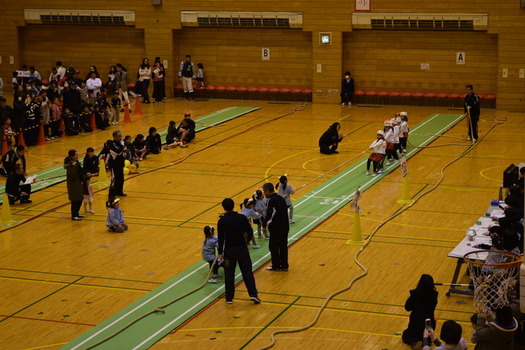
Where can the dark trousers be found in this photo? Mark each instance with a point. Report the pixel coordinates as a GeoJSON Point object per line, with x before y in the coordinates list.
{"type": "Point", "coordinates": [75, 207]}
{"type": "Point", "coordinates": [31, 132]}
{"type": "Point", "coordinates": [403, 142]}
{"type": "Point", "coordinates": [18, 196]}
{"type": "Point", "coordinates": [117, 182]}
{"type": "Point", "coordinates": [375, 165]}
{"type": "Point", "coordinates": [346, 97]}
{"type": "Point", "coordinates": [216, 266]}
{"type": "Point", "coordinates": [397, 147]}
{"type": "Point", "coordinates": [144, 85]}
{"type": "Point", "coordinates": [392, 154]}
{"type": "Point", "coordinates": [279, 247]}
{"type": "Point", "coordinates": [473, 127]}
{"type": "Point", "coordinates": [327, 149]}
{"type": "Point", "coordinates": [158, 92]}
{"type": "Point", "coordinates": [240, 255]}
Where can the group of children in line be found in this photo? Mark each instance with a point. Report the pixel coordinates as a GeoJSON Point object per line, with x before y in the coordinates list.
{"type": "Point", "coordinates": [391, 141]}
{"type": "Point", "coordinates": [254, 208]}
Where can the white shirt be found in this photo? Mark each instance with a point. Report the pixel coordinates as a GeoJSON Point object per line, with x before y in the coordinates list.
{"type": "Point", "coordinates": [403, 127]}
{"type": "Point", "coordinates": [379, 146]}
{"type": "Point", "coordinates": [389, 136]}
{"type": "Point", "coordinates": [94, 85]}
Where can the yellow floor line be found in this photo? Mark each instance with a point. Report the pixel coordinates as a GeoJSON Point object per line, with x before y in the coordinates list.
{"type": "Point", "coordinates": [45, 346]}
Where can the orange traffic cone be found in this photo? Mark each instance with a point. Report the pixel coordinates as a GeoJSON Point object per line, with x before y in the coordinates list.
{"type": "Point", "coordinates": [5, 147]}
{"type": "Point", "coordinates": [92, 122]}
{"type": "Point", "coordinates": [137, 112]}
{"type": "Point", "coordinates": [41, 137]}
{"type": "Point", "coordinates": [63, 128]}
{"type": "Point", "coordinates": [127, 118]}
{"type": "Point", "coordinates": [20, 141]}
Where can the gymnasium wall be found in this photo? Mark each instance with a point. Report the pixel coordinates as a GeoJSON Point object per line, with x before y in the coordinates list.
{"type": "Point", "coordinates": [233, 56]}
{"type": "Point", "coordinates": [392, 60]}
{"type": "Point", "coordinates": [161, 27]}
{"type": "Point", "coordinates": [82, 47]}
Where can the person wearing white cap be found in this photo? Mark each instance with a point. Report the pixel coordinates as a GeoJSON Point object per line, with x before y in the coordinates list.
{"type": "Point", "coordinates": [403, 132]}
{"type": "Point", "coordinates": [378, 147]}
{"type": "Point", "coordinates": [390, 142]}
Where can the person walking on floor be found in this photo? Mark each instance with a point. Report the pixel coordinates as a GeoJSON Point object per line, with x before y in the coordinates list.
{"type": "Point", "coordinates": [472, 111]}
{"type": "Point", "coordinates": [234, 231]}
{"type": "Point", "coordinates": [278, 225]}
{"type": "Point", "coordinates": [116, 165]}
{"type": "Point", "coordinates": [76, 184]}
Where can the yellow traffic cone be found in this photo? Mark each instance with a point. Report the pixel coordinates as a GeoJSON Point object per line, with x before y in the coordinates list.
{"type": "Point", "coordinates": [7, 219]}
{"type": "Point", "coordinates": [405, 192]}
{"type": "Point", "coordinates": [356, 238]}
{"type": "Point", "coordinates": [102, 175]}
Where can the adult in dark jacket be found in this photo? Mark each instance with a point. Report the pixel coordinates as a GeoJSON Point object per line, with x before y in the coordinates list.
{"type": "Point", "coordinates": [422, 302]}
{"type": "Point", "coordinates": [234, 232]}
{"type": "Point", "coordinates": [76, 183]}
{"type": "Point", "coordinates": [329, 141]}
{"type": "Point", "coordinates": [72, 100]}
{"type": "Point", "coordinates": [496, 335]}
{"type": "Point", "coordinates": [6, 112]}
{"type": "Point", "coordinates": [19, 108]}
{"type": "Point", "coordinates": [14, 189]}
{"type": "Point", "coordinates": [347, 89]}
{"type": "Point", "coordinates": [279, 226]}
{"type": "Point", "coordinates": [13, 157]}
{"type": "Point", "coordinates": [472, 111]}
{"type": "Point", "coordinates": [116, 165]}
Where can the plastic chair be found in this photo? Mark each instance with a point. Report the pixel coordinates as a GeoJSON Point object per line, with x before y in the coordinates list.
{"type": "Point", "coordinates": [242, 90]}
{"type": "Point", "coordinates": [274, 90]}
{"type": "Point", "coordinates": [417, 95]}
{"type": "Point", "coordinates": [490, 97]}
{"type": "Point", "coordinates": [371, 93]}
{"type": "Point", "coordinates": [454, 96]}
{"type": "Point", "coordinates": [382, 94]}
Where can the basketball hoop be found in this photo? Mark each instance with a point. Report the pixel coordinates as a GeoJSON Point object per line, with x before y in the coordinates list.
{"type": "Point", "coordinates": [494, 281]}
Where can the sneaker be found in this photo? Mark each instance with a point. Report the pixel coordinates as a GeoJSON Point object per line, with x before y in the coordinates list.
{"type": "Point", "coordinates": [367, 173]}
{"type": "Point", "coordinates": [48, 138]}
{"type": "Point", "coordinates": [284, 270]}
{"type": "Point", "coordinates": [212, 280]}
{"type": "Point", "coordinates": [166, 147]}
{"type": "Point", "coordinates": [387, 163]}
{"type": "Point", "coordinates": [53, 137]}
{"type": "Point", "coordinates": [291, 221]}
{"type": "Point", "coordinates": [255, 300]}
{"type": "Point", "coordinates": [271, 268]}
{"type": "Point", "coordinates": [380, 171]}
{"type": "Point", "coordinates": [183, 146]}
{"type": "Point", "coordinates": [26, 201]}
{"type": "Point", "coordinates": [90, 211]}
{"type": "Point", "coordinates": [256, 246]}
{"type": "Point", "coordinates": [267, 237]}
{"type": "Point", "coordinates": [468, 138]}
{"type": "Point", "coordinates": [81, 216]}
{"type": "Point", "coordinates": [122, 195]}
{"type": "Point", "coordinates": [76, 218]}
{"type": "Point", "coordinates": [335, 152]}
{"type": "Point", "coordinates": [342, 104]}
{"type": "Point", "coordinates": [229, 302]}
{"type": "Point", "coordinates": [349, 103]}
{"type": "Point", "coordinates": [374, 174]}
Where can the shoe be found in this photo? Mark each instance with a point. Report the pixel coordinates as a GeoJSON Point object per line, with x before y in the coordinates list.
{"type": "Point", "coordinates": [192, 100]}
{"type": "Point", "coordinates": [342, 104]}
{"type": "Point", "coordinates": [387, 163]}
{"type": "Point", "coordinates": [76, 218]}
{"type": "Point", "coordinates": [90, 211]}
{"type": "Point", "coordinates": [475, 140]}
{"type": "Point", "coordinates": [349, 103]}
{"type": "Point", "coordinates": [183, 146]}
{"type": "Point", "coordinates": [166, 147]}
{"type": "Point", "coordinates": [229, 302]}
{"type": "Point", "coordinates": [291, 221]}
{"type": "Point", "coordinates": [380, 171]}
{"type": "Point", "coordinates": [256, 246]}
{"type": "Point", "coordinates": [53, 137]}
{"type": "Point", "coordinates": [212, 280]}
{"type": "Point", "coordinates": [255, 300]}
{"type": "Point", "coordinates": [271, 268]}
{"type": "Point", "coordinates": [267, 237]}
{"type": "Point", "coordinates": [81, 216]}
{"type": "Point", "coordinates": [367, 173]}
{"type": "Point", "coordinates": [284, 270]}
{"type": "Point", "coordinates": [335, 152]}
{"type": "Point", "coordinates": [374, 174]}
{"type": "Point", "coordinates": [122, 195]}
{"type": "Point", "coordinates": [48, 138]}
{"type": "Point", "coordinates": [468, 138]}
{"type": "Point", "coordinates": [26, 201]}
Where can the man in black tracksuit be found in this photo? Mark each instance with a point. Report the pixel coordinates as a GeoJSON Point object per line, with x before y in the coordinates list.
{"type": "Point", "coordinates": [116, 165]}
{"type": "Point", "coordinates": [278, 224]}
{"type": "Point", "coordinates": [234, 231]}
{"type": "Point", "coordinates": [472, 107]}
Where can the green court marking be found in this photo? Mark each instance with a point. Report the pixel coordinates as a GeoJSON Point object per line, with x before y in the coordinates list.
{"type": "Point", "coordinates": [314, 207]}
{"type": "Point", "coordinates": [57, 173]}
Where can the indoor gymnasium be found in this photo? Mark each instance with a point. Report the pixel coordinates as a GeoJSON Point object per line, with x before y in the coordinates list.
{"type": "Point", "coordinates": [374, 148]}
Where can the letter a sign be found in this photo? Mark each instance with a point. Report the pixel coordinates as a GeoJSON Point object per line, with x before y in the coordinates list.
{"type": "Point", "coordinates": [460, 58]}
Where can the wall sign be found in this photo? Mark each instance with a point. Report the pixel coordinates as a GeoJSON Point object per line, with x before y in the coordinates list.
{"type": "Point", "coordinates": [362, 5]}
{"type": "Point", "coordinates": [265, 54]}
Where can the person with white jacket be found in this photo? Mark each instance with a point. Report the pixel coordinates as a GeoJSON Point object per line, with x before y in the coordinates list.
{"type": "Point", "coordinates": [93, 85]}
{"type": "Point", "coordinates": [378, 147]}
{"type": "Point", "coordinates": [144, 77]}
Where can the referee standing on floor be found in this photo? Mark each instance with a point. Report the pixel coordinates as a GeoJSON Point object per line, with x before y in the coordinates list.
{"type": "Point", "coordinates": [116, 165]}
{"type": "Point", "coordinates": [235, 231]}
{"type": "Point", "coordinates": [278, 224]}
{"type": "Point", "coordinates": [472, 110]}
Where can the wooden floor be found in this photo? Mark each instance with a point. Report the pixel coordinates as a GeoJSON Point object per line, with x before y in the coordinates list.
{"type": "Point", "coordinates": [59, 278]}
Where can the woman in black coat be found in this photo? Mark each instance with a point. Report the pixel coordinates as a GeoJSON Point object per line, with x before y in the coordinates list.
{"type": "Point", "coordinates": [330, 139]}
{"type": "Point", "coordinates": [422, 302]}
{"type": "Point", "coordinates": [76, 183]}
